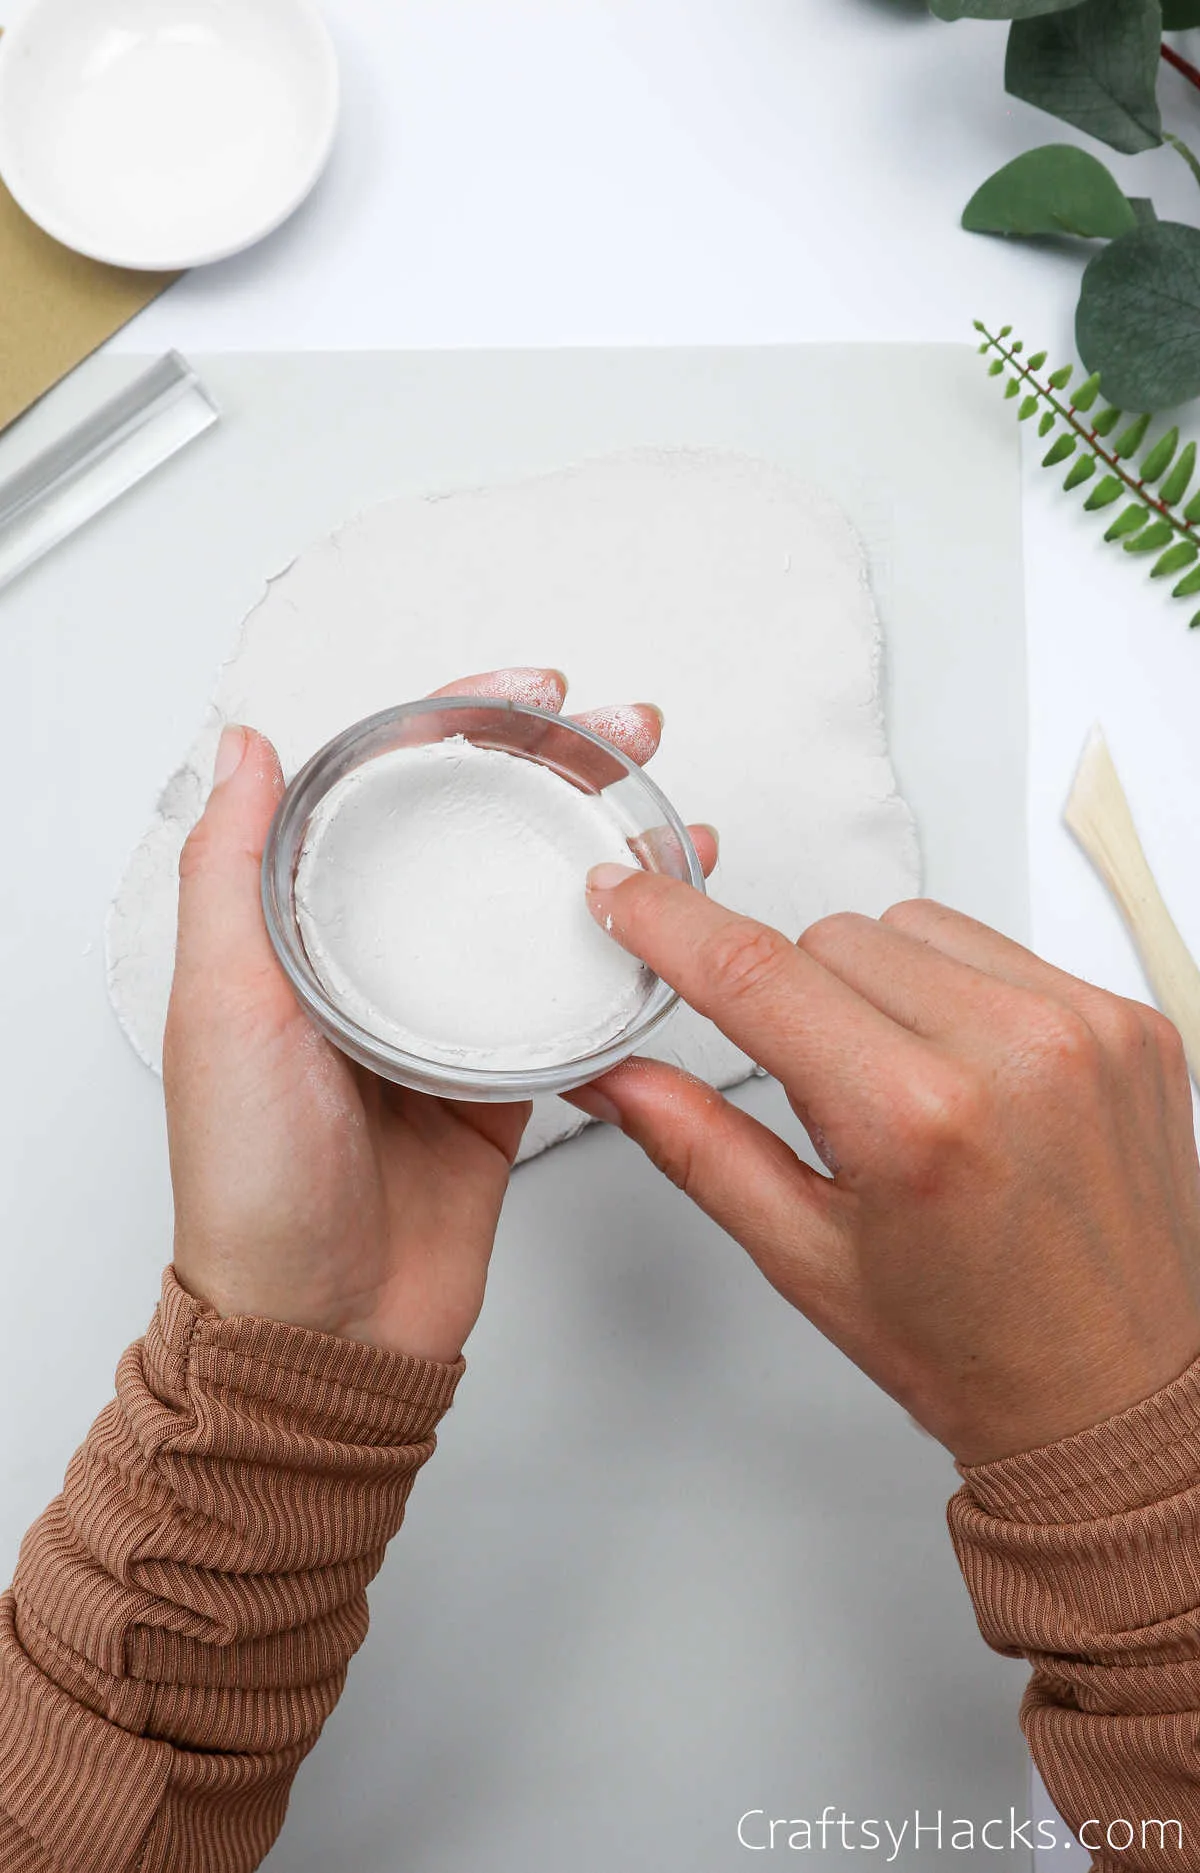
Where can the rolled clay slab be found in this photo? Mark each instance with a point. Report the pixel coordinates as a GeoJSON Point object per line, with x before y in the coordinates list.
{"type": "Point", "coordinates": [721, 587]}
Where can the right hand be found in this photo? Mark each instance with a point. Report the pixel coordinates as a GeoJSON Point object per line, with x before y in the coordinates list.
{"type": "Point", "coordinates": [1009, 1238]}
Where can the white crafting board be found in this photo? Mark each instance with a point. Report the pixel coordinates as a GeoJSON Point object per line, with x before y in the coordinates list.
{"type": "Point", "coordinates": [728, 590]}
{"type": "Point", "coordinates": [676, 1559]}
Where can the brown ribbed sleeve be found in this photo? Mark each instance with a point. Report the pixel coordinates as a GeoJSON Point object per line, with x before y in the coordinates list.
{"type": "Point", "coordinates": [1084, 1557]}
{"type": "Point", "coordinates": [183, 1614]}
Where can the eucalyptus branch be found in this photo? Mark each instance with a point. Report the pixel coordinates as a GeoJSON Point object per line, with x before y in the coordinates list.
{"type": "Point", "coordinates": [1102, 68]}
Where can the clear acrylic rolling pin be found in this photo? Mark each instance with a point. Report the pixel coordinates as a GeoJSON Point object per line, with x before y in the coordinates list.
{"type": "Point", "coordinates": [100, 459]}
{"type": "Point", "coordinates": [1098, 814]}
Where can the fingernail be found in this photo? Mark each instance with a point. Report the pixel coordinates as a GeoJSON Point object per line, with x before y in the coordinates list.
{"type": "Point", "coordinates": [712, 832]}
{"type": "Point", "coordinates": [596, 1104]}
{"type": "Point", "coordinates": [230, 750]}
{"type": "Point", "coordinates": [608, 877]}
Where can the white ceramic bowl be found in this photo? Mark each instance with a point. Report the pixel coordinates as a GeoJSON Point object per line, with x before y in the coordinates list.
{"type": "Point", "coordinates": [159, 134]}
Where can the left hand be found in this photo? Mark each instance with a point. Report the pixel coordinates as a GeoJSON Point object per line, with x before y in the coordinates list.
{"type": "Point", "coordinates": [306, 1189]}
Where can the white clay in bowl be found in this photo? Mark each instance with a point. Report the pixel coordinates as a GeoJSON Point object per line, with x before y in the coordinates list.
{"type": "Point", "coordinates": [440, 897]}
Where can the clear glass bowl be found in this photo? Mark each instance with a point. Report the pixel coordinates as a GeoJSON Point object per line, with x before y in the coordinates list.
{"type": "Point", "coordinates": [658, 840]}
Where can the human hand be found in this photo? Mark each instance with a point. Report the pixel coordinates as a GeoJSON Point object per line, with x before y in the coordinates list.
{"type": "Point", "coordinates": [1009, 1240]}
{"type": "Point", "coordinates": [306, 1189]}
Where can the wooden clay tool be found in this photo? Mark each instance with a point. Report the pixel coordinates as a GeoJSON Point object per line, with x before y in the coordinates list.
{"type": "Point", "coordinates": [1098, 814]}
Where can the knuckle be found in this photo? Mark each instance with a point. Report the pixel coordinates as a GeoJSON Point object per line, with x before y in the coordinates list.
{"type": "Point", "coordinates": [938, 1128]}
{"type": "Point", "coordinates": [1123, 1029]}
{"type": "Point", "coordinates": [830, 935]}
{"type": "Point", "coordinates": [941, 1120]}
{"type": "Point", "coordinates": [1162, 1033]}
{"type": "Point", "coordinates": [744, 959]}
{"type": "Point", "coordinates": [913, 915]}
{"type": "Point", "coordinates": [674, 1159]}
{"type": "Point", "coordinates": [1059, 1045]}
{"type": "Point", "coordinates": [197, 854]}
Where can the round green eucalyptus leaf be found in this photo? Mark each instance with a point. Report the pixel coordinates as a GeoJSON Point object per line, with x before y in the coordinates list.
{"type": "Point", "coordinates": [998, 9]}
{"type": "Point", "coordinates": [1177, 15]}
{"type": "Point", "coordinates": [1138, 321]}
{"type": "Point", "coordinates": [1058, 189]}
{"type": "Point", "coordinates": [1095, 66]}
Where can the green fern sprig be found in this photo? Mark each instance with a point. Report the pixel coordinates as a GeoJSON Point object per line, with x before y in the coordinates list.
{"type": "Point", "coordinates": [1152, 521]}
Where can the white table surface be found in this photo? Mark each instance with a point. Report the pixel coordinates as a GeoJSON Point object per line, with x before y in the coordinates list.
{"type": "Point", "coordinates": [732, 171]}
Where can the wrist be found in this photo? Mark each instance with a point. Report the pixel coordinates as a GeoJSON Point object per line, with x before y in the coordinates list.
{"type": "Point", "coordinates": [312, 1375]}
{"type": "Point", "coordinates": [1018, 1399]}
{"type": "Point", "coordinates": [402, 1329]}
{"type": "Point", "coordinates": [1146, 1453]}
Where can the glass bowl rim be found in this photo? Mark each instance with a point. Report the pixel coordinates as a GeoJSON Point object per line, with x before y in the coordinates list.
{"type": "Point", "coordinates": [380, 1056]}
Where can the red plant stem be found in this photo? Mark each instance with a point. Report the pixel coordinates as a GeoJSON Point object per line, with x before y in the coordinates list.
{"type": "Point", "coordinates": [1182, 65]}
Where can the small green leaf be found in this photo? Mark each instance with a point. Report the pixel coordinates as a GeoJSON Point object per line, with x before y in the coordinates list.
{"type": "Point", "coordinates": [1059, 451]}
{"type": "Point", "coordinates": [995, 367]}
{"type": "Point", "coordinates": [1192, 511]}
{"type": "Point", "coordinates": [1104, 493]}
{"type": "Point", "coordinates": [1176, 484]}
{"type": "Point", "coordinates": [1149, 539]}
{"type": "Point", "coordinates": [1095, 66]}
{"type": "Point", "coordinates": [1177, 556]}
{"type": "Point", "coordinates": [979, 325]}
{"type": "Point", "coordinates": [1128, 521]}
{"type": "Point", "coordinates": [1018, 344]}
{"type": "Point", "coordinates": [1005, 330]}
{"type": "Point", "coordinates": [1188, 586]}
{"type": "Point", "coordinates": [1012, 386]}
{"type": "Point", "coordinates": [1037, 360]}
{"type": "Point", "coordinates": [1193, 622]}
{"type": "Point", "coordinates": [1061, 377]}
{"type": "Point", "coordinates": [1130, 440]}
{"type": "Point", "coordinates": [1107, 419]}
{"type": "Point", "coordinates": [1079, 472]}
{"type": "Point", "coordinates": [1138, 320]}
{"type": "Point", "coordinates": [1158, 459]}
{"type": "Point", "coordinates": [1058, 189]}
{"type": "Point", "coordinates": [1086, 395]}
{"type": "Point", "coordinates": [1027, 408]}
{"type": "Point", "coordinates": [1047, 423]}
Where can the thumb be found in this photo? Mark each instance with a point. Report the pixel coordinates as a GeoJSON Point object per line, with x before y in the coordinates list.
{"type": "Point", "coordinates": [222, 945]}
{"type": "Point", "coordinates": [789, 1218]}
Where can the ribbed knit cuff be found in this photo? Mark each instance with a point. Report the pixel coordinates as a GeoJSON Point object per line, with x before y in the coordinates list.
{"type": "Point", "coordinates": [329, 1387]}
{"type": "Point", "coordinates": [1147, 1454]}
{"type": "Point", "coordinates": [182, 1616]}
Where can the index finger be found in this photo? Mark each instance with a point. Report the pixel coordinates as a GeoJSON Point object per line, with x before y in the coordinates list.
{"type": "Point", "coordinates": [833, 1051]}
